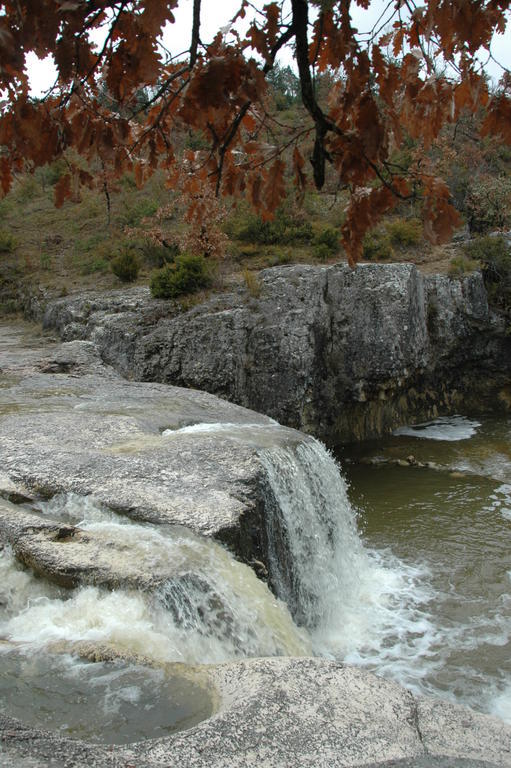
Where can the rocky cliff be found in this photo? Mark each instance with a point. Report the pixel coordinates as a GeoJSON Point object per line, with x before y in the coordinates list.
{"type": "Point", "coordinates": [342, 354]}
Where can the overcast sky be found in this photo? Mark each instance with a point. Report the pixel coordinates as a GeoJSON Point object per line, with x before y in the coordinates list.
{"type": "Point", "coordinates": [217, 14]}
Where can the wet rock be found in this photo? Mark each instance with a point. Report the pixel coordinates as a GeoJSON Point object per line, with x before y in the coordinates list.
{"type": "Point", "coordinates": [90, 432]}
{"type": "Point", "coordinates": [71, 557]}
{"type": "Point", "coordinates": [303, 713]}
{"type": "Point", "coordinates": [343, 354]}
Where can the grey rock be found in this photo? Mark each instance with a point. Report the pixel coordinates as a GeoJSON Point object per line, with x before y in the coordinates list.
{"type": "Point", "coordinates": [71, 557]}
{"type": "Point", "coordinates": [342, 354]}
{"type": "Point", "coordinates": [305, 713]}
{"type": "Point", "coordinates": [71, 424]}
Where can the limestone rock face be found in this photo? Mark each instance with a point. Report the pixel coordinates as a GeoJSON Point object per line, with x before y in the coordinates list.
{"type": "Point", "coordinates": [305, 713]}
{"type": "Point", "coordinates": [342, 354]}
{"type": "Point", "coordinates": [71, 424]}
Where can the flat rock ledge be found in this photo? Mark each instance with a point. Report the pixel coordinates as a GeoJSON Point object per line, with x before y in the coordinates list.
{"type": "Point", "coordinates": [291, 712]}
{"type": "Point", "coordinates": [69, 423]}
{"type": "Point", "coordinates": [339, 353]}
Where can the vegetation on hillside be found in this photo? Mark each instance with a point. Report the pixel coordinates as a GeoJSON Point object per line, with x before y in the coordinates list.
{"type": "Point", "coordinates": [372, 106]}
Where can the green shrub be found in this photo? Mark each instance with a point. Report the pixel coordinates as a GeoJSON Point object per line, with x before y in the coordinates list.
{"type": "Point", "coordinates": [27, 190]}
{"type": "Point", "coordinates": [252, 283]}
{"type": "Point", "coordinates": [322, 252]}
{"type": "Point", "coordinates": [328, 238]}
{"type": "Point", "coordinates": [404, 232]}
{"type": "Point", "coordinates": [7, 242]}
{"type": "Point", "coordinates": [156, 255]}
{"type": "Point", "coordinates": [45, 261]}
{"type": "Point", "coordinates": [51, 173]}
{"type": "Point", "coordinates": [135, 211]}
{"type": "Point", "coordinates": [189, 274]}
{"type": "Point", "coordinates": [487, 249]}
{"type": "Point", "coordinates": [126, 265]}
{"type": "Point", "coordinates": [461, 265]}
{"type": "Point", "coordinates": [377, 245]}
{"type": "Point", "coordinates": [494, 254]}
{"type": "Point", "coordinates": [282, 230]}
{"type": "Point", "coordinates": [99, 265]}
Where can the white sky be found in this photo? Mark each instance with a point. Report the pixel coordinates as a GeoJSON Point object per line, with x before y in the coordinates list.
{"type": "Point", "coordinates": [217, 14]}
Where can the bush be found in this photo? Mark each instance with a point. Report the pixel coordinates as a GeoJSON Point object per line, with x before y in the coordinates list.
{"type": "Point", "coordinates": [328, 238]}
{"type": "Point", "coordinates": [377, 245]}
{"type": "Point", "coordinates": [494, 254]}
{"type": "Point", "coordinates": [404, 232]}
{"type": "Point", "coordinates": [189, 274]}
{"type": "Point", "coordinates": [157, 255]}
{"type": "Point", "coordinates": [282, 230]}
{"type": "Point", "coordinates": [7, 242]}
{"type": "Point", "coordinates": [137, 210]}
{"type": "Point", "coordinates": [487, 249]}
{"type": "Point", "coordinates": [126, 266]}
{"type": "Point", "coordinates": [488, 204]}
{"type": "Point", "coordinates": [322, 252]}
{"type": "Point", "coordinates": [461, 265]}
{"type": "Point", "coordinates": [252, 283]}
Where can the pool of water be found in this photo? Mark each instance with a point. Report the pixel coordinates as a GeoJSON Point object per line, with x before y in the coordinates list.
{"type": "Point", "coordinates": [450, 521]}
{"type": "Point", "coordinates": [107, 702]}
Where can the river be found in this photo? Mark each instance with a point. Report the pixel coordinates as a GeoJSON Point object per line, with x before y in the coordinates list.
{"type": "Point", "coordinates": [396, 559]}
{"type": "Point", "coordinates": [447, 528]}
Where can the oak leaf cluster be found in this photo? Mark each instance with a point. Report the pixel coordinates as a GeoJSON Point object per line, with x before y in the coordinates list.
{"type": "Point", "coordinates": [122, 100]}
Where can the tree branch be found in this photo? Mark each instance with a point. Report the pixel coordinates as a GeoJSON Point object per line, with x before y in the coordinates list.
{"type": "Point", "coordinates": [195, 32]}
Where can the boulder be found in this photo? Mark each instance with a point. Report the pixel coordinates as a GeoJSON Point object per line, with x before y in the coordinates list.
{"type": "Point", "coordinates": [305, 713]}
{"type": "Point", "coordinates": [342, 354]}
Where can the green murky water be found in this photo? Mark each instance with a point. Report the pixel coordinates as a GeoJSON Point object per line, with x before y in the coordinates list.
{"type": "Point", "coordinates": [451, 522]}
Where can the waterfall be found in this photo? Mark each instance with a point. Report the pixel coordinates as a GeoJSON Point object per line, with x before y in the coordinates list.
{"type": "Point", "coordinates": [213, 609]}
{"type": "Point", "coordinates": [315, 553]}
{"type": "Point", "coordinates": [357, 604]}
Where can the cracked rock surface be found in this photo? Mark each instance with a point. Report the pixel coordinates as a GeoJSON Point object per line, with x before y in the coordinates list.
{"type": "Point", "coordinates": [305, 713]}
{"type": "Point", "coordinates": [339, 353]}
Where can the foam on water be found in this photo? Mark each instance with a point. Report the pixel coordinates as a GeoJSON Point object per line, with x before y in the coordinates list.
{"type": "Point", "coordinates": [362, 606]}
{"type": "Point", "coordinates": [500, 500]}
{"type": "Point", "coordinates": [215, 609]}
{"type": "Point", "coordinates": [448, 428]}
{"type": "Point", "coordinates": [500, 704]}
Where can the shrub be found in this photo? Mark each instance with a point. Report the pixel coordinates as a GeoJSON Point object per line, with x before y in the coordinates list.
{"type": "Point", "coordinates": [377, 245]}
{"type": "Point", "coordinates": [461, 265]}
{"type": "Point", "coordinates": [329, 238]}
{"type": "Point", "coordinates": [488, 204]}
{"type": "Point", "coordinates": [157, 255]}
{"type": "Point", "coordinates": [45, 261]}
{"type": "Point", "coordinates": [137, 210]}
{"type": "Point", "coordinates": [7, 242]}
{"type": "Point", "coordinates": [282, 230]}
{"type": "Point", "coordinates": [322, 252]}
{"type": "Point", "coordinates": [126, 266]}
{"type": "Point", "coordinates": [404, 232]}
{"type": "Point", "coordinates": [252, 283]}
{"type": "Point", "coordinates": [189, 274]}
{"type": "Point", "coordinates": [487, 249]}
{"type": "Point", "coordinates": [495, 256]}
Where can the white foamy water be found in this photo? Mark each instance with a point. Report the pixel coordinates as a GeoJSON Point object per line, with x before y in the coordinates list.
{"type": "Point", "coordinates": [500, 501]}
{"type": "Point", "coordinates": [500, 704]}
{"type": "Point", "coordinates": [361, 606]}
{"type": "Point", "coordinates": [213, 610]}
{"type": "Point", "coordinates": [353, 603]}
{"type": "Point", "coordinates": [215, 427]}
{"type": "Point", "coordinates": [448, 428]}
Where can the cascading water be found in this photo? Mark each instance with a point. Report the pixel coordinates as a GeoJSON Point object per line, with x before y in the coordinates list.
{"type": "Point", "coordinates": [358, 605]}
{"type": "Point", "coordinates": [213, 610]}
{"type": "Point", "coordinates": [350, 602]}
